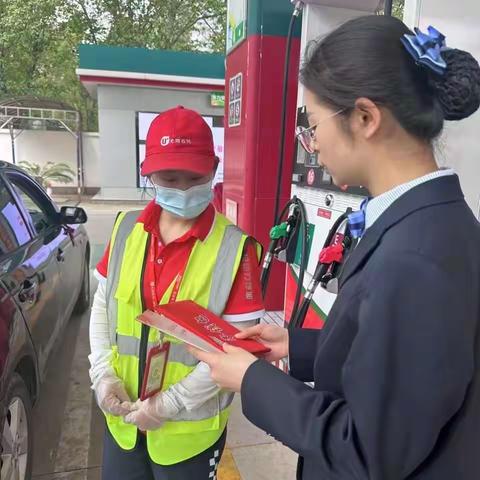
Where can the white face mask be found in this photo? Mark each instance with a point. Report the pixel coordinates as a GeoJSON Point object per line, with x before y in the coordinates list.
{"type": "Point", "coordinates": [185, 203]}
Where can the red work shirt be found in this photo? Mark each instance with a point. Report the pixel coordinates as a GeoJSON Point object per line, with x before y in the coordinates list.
{"type": "Point", "coordinates": [245, 301]}
{"type": "Point", "coordinates": [218, 197]}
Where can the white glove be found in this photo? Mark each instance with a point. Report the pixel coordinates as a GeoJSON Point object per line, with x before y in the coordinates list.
{"type": "Point", "coordinates": [152, 413]}
{"type": "Point", "coordinates": [111, 396]}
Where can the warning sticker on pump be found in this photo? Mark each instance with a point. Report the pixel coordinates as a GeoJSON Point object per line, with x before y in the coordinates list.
{"type": "Point", "coordinates": [324, 213]}
{"type": "Point", "coordinates": [235, 101]}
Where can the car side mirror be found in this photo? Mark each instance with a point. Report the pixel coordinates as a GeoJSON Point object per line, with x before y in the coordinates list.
{"type": "Point", "coordinates": [72, 216]}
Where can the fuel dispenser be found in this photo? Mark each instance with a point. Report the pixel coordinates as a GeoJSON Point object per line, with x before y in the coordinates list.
{"type": "Point", "coordinates": [257, 36]}
{"type": "Point", "coordinates": [326, 205]}
{"type": "Point", "coordinates": [311, 234]}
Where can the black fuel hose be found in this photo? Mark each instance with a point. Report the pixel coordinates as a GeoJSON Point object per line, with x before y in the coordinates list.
{"type": "Point", "coordinates": [301, 225]}
{"type": "Point", "coordinates": [283, 128]}
{"type": "Point", "coordinates": [269, 255]}
{"type": "Point", "coordinates": [303, 260]}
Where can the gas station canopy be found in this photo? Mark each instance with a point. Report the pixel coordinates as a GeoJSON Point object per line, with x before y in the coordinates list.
{"type": "Point", "coordinates": [107, 65]}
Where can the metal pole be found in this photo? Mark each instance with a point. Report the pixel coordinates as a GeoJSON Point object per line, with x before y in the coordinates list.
{"type": "Point", "coordinates": [12, 139]}
{"type": "Point", "coordinates": [80, 169]}
{"type": "Point", "coordinates": [6, 122]}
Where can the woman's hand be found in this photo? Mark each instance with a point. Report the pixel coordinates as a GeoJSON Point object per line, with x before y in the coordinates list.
{"type": "Point", "coordinates": [227, 369]}
{"type": "Point", "coordinates": [111, 396]}
{"type": "Point", "coordinates": [273, 337]}
{"type": "Point", "coordinates": [152, 413]}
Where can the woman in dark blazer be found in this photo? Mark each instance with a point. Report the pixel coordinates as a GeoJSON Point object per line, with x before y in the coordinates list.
{"type": "Point", "coordinates": [396, 368]}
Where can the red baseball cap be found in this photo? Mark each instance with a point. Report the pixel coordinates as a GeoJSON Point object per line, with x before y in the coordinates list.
{"type": "Point", "coordinates": [179, 139]}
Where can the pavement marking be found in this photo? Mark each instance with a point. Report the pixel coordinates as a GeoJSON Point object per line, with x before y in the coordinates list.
{"type": "Point", "coordinates": [227, 469]}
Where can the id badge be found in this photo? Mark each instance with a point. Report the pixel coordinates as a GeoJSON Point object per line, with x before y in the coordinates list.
{"type": "Point", "coordinates": [155, 367]}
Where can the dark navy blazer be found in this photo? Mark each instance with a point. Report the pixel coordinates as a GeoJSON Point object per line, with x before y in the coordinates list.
{"type": "Point", "coordinates": [397, 380]}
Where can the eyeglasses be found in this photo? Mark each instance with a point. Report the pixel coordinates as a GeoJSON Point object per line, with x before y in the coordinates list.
{"type": "Point", "coordinates": [306, 136]}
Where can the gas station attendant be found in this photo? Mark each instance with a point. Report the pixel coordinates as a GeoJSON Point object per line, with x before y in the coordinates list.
{"type": "Point", "coordinates": [177, 248]}
{"type": "Point", "coordinates": [395, 370]}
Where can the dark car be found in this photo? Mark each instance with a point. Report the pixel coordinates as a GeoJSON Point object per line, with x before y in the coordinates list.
{"type": "Point", "coordinates": [44, 277]}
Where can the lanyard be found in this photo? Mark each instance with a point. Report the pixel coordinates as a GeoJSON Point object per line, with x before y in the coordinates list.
{"type": "Point", "coordinates": [178, 278]}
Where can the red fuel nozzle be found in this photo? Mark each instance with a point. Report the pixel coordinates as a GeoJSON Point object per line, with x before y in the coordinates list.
{"type": "Point", "coordinates": [331, 254]}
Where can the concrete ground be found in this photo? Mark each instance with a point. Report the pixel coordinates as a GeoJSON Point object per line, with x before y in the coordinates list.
{"type": "Point", "coordinates": [69, 427]}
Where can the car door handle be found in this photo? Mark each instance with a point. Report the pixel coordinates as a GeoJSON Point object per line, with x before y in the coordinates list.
{"type": "Point", "coordinates": [60, 255]}
{"type": "Point", "coordinates": [28, 292]}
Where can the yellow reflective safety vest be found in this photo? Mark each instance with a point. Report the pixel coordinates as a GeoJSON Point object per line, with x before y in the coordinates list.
{"type": "Point", "coordinates": [210, 272]}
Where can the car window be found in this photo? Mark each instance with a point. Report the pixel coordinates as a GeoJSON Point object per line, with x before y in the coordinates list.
{"type": "Point", "coordinates": [13, 230]}
{"type": "Point", "coordinates": [39, 216]}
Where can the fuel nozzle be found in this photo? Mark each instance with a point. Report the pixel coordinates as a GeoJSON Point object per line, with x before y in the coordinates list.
{"type": "Point", "coordinates": [279, 231]}
{"type": "Point", "coordinates": [330, 257]}
{"type": "Point", "coordinates": [333, 263]}
{"type": "Point", "coordinates": [338, 241]}
{"type": "Point", "coordinates": [285, 251]}
{"type": "Point", "coordinates": [281, 237]}
{"type": "Point", "coordinates": [283, 240]}
{"type": "Point", "coordinates": [278, 238]}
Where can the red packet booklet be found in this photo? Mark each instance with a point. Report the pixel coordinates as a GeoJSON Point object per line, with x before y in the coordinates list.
{"type": "Point", "coordinates": [197, 326]}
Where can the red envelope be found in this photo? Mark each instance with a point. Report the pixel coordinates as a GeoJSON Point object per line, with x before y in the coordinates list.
{"type": "Point", "coordinates": [197, 326]}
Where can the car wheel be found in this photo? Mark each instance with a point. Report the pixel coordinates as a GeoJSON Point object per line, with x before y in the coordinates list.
{"type": "Point", "coordinates": [17, 446]}
{"type": "Point", "coordinates": [83, 302]}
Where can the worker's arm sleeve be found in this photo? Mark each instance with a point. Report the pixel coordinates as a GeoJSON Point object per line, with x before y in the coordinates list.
{"type": "Point", "coordinates": [406, 375]}
{"type": "Point", "coordinates": [197, 387]}
{"type": "Point", "coordinates": [303, 345]}
{"type": "Point", "coordinates": [100, 346]}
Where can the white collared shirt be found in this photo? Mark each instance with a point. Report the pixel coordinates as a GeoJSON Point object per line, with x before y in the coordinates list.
{"type": "Point", "coordinates": [378, 205]}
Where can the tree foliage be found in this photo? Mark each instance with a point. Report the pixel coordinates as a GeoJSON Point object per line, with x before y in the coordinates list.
{"type": "Point", "coordinates": [398, 7]}
{"type": "Point", "coordinates": [39, 39]}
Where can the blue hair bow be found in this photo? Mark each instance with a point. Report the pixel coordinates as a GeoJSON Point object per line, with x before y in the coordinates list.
{"type": "Point", "coordinates": [426, 49]}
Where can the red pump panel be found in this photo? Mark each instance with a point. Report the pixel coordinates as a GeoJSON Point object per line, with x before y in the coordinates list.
{"type": "Point", "coordinates": [252, 148]}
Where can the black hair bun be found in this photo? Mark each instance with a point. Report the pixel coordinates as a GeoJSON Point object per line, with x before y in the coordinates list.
{"type": "Point", "coordinates": [458, 89]}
